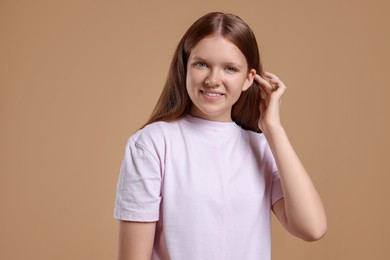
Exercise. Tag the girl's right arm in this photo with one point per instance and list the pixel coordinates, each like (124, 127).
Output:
(136, 240)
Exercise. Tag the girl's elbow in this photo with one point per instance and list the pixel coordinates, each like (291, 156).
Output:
(315, 233)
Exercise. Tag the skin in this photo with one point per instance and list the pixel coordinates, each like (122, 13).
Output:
(135, 240)
(217, 66)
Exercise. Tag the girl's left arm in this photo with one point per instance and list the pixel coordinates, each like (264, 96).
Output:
(301, 211)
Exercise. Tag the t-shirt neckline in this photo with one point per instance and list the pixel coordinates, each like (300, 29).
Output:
(211, 125)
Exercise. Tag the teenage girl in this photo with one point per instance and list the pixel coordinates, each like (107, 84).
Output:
(200, 179)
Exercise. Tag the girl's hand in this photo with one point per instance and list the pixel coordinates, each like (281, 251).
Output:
(272, 90)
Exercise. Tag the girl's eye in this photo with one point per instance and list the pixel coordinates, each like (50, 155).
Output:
(200, 64)
(231, 69)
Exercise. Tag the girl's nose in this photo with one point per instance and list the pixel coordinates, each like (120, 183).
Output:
(213, 80)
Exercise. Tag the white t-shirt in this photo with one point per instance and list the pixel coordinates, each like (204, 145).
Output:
(210, 185)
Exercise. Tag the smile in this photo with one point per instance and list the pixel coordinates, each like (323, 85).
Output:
(211, 94)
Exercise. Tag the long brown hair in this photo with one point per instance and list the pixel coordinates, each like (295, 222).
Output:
(174, 102)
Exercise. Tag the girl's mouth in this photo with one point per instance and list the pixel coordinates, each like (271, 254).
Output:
(211, 94)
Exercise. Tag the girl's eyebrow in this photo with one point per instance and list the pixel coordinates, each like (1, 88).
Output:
(198, 58)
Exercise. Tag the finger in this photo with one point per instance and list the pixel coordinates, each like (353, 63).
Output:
(280, 88)
(274, 79)
(276, 98)
(264, 84)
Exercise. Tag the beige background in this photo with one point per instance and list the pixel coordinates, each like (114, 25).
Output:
(79, 77)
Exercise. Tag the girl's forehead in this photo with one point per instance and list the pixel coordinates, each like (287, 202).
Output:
(214, 39)
(217, 47)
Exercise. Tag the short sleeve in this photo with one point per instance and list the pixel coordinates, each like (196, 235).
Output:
(138, 193)
(277, 191)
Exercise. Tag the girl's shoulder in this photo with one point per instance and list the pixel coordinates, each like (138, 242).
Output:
(256, 141)
(155, 133)
(253, 136)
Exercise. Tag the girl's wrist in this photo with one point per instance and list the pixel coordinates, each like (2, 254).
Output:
(272, 129)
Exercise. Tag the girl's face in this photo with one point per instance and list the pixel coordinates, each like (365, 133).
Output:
(217, 73)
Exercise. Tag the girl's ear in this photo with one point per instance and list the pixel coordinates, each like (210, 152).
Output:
(249, 79)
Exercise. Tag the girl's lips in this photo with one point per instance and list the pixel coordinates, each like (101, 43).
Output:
(211, 94)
